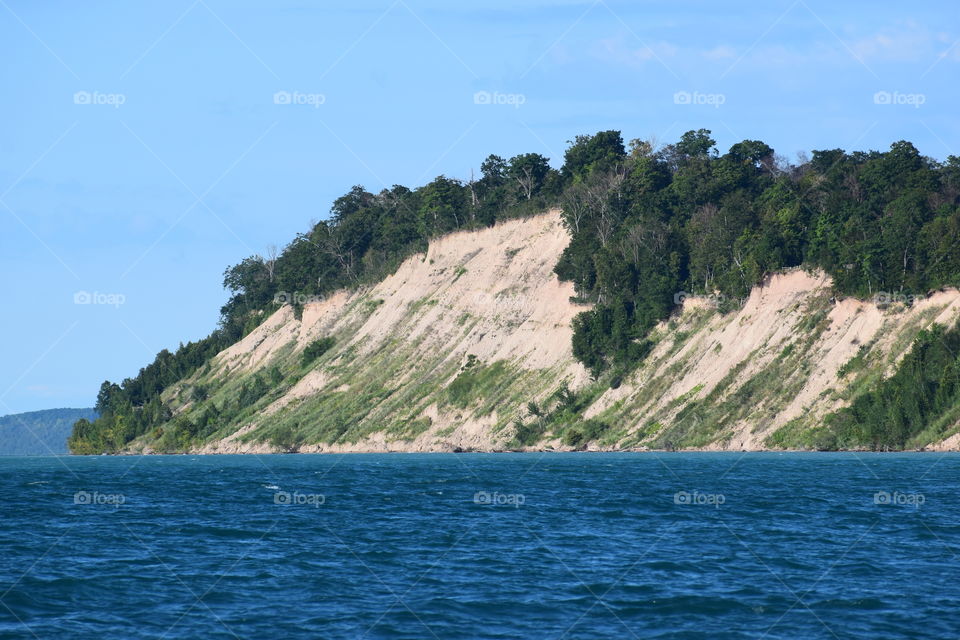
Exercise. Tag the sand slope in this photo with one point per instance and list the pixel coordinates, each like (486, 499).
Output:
(490, 294)
(729, 381)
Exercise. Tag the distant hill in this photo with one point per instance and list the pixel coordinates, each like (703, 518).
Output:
(39, 433)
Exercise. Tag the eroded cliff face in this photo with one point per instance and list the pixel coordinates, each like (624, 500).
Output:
(485, 302)
(764, 375)
(448, 352)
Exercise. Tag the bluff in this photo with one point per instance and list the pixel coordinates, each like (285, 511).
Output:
(468, 347)
(437, 318)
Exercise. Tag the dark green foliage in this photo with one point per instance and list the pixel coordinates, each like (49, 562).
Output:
(924, 390)
(276, 376)
(287, 438)
(529, 171)
(199, 393)
(581, 433)
(561, 415)
(593, 154)
(855, 363)
(251, 392)
(650, 225)
(316, 349)
(526, 434)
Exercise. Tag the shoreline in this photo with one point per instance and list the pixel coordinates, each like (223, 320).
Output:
(497, 451)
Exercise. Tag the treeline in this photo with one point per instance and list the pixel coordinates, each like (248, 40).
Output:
(646, 224)
(367, 235)
(134, 406)
(650, 224)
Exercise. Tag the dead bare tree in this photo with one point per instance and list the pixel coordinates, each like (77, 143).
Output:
(270, 261)
(334, 246)
(526, 181)
(603, 193)
(649, 237)
(473, 192)
(575, 207)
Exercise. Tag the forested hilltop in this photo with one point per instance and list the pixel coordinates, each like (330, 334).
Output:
(648, 225)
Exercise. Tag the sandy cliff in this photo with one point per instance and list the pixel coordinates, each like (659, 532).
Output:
(488, 297)
(485, 309)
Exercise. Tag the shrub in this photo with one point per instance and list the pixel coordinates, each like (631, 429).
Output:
(526, 434)
(287, 438)
(316, 349)
(582, 433)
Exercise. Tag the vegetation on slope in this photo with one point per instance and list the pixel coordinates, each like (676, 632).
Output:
(647, 225)
(366, 237)
(914, 406)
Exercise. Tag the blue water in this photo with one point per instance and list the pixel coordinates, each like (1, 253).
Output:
(481, 546)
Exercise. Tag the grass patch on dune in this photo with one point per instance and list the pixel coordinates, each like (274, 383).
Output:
(798, 434)
(474, 382)
(757, 399)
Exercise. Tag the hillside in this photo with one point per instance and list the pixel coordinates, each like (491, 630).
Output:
(767, 374)
(440, 355)
(39, 433)
(447, 354)
(458, 315)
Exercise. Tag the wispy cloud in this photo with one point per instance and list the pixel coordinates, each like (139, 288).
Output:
(907, 42)
(721, 52)
(622, 51)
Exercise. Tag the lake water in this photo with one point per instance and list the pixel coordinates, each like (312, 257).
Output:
(685, 545)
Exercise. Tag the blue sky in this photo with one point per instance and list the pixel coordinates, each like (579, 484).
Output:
(145, 147)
